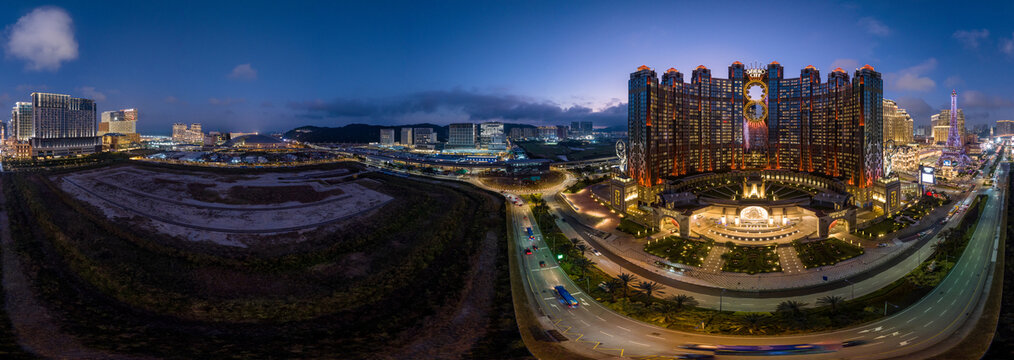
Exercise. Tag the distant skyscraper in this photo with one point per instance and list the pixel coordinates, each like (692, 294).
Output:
(1004, 128)
(491, 136)
(190, 135)
(547, 132)
(406, 137)
(956, 134)
(897, 124)
(943, 120)
(21, 121)
(423, 136)
(387, 137)
(120, 122)
(461, 135)
(62, 125)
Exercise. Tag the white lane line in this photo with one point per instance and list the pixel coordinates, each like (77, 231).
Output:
(909, 320)
(927, 310)
(928, 324)
(607, 334)
(655, 336)
(635, 342)
(600, 318)
(585, 323)
(954, 301)
(624, 329)
(940, 299)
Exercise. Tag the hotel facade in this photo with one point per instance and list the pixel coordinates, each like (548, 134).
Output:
(756, 118)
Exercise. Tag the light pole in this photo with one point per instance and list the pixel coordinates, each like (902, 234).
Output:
(853, 286)
(721, 297)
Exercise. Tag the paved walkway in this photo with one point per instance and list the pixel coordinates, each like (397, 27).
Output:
(789, 260)
(714, 262)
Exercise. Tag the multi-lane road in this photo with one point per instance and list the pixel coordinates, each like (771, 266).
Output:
(596, 330)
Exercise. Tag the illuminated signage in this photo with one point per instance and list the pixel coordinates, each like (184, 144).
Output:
(926, 176)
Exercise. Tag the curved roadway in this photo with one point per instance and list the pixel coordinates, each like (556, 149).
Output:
(592, 327)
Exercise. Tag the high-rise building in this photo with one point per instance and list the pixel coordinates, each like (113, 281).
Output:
(519, 133)
(547, 132)
(897, 124)
(62, 125)
(491, 136)
(120, 122)
(944, 119)
(581, 128)
(561, 131)
(406, 137)
(387, 137)
(21, 127)
(755, 119)
(190, 135)
(424, 136)
(461, 135)
(1004, 128)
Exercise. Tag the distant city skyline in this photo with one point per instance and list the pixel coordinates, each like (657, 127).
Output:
(266, 67)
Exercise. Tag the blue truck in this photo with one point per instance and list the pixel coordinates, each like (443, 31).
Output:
(565, 297)
(531, 235)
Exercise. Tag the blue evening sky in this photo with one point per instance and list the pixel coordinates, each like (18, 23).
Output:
(273, 66)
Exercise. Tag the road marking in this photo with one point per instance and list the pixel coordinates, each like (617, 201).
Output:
(607, 334)
(927, 310)
(954, 301)
(928, 324)
(600, 318)
(585, 323)
(940, 299)
(625, 329)
(909, 320)
(655, 336)
(548, 298)
(879, 337)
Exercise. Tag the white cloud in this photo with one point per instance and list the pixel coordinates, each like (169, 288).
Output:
(1007, 45)
(912, 79)
(971, 38)
(954, 81)
(845, 64)
(243, 72)
(874, 26)
(171, 99)
(978, 99)
(44, 39)
(89, 92)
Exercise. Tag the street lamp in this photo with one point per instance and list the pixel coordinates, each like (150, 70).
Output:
(853, 286)
(721, 297)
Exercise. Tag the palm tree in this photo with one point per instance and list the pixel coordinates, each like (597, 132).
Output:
(648, 287)
(793, 310)
(583, 264)
(753, 321)
(831, 300)
(614, 284)
(626, 279)
(683, 300)
(582, 248)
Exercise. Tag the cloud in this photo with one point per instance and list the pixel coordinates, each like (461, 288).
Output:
(31, 88)
(458, 104)
(89, 92)
(171, 99)
(874, 26)
(970, 38)
(226, 101)
(912, 79)
(917, 108)
(954, 81)
(845, 64)
(978, 99)
(243, 72)
(1007, 45)
(44, 39)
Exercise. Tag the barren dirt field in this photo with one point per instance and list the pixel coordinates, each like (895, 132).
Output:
(232, 210)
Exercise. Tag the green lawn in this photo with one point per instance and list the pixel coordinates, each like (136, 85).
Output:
(751, 259)
(825, 252)
(634, 228)
(680, 250)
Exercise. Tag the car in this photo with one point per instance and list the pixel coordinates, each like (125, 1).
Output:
(526, 218)
(528, 251)
(852, 343)
(542, 264)
(883, 245)
(535, 248)
(596, 252)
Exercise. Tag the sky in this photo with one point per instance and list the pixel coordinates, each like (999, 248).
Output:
(274, 66)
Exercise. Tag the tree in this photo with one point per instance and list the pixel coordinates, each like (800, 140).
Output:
(615, 284)
(583, 264)
(626, 279)
(792, 311)
(582, 248)
(831, 300)
(648, 287)
(683, 300)
(753, 322)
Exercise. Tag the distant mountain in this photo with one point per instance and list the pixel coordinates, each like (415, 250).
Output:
(364, 133)
(614, 128)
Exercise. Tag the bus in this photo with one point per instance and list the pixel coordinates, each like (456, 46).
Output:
(531, 235)
(565, 297)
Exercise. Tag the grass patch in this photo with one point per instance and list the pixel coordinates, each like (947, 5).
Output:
(825, 252)
(680, 250)
(633, 228)
(751, 259)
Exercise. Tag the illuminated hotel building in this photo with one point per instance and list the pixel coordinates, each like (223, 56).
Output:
(755, 119)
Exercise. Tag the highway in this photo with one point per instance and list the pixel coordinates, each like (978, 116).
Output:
(596, 330)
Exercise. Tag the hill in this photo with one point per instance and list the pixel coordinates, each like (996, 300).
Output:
(365, 133)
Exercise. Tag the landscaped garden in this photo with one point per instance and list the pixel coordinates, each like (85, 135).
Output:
(633, 228)
(680, 250)
(750, 259)
(825, 252)
(886, 226)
